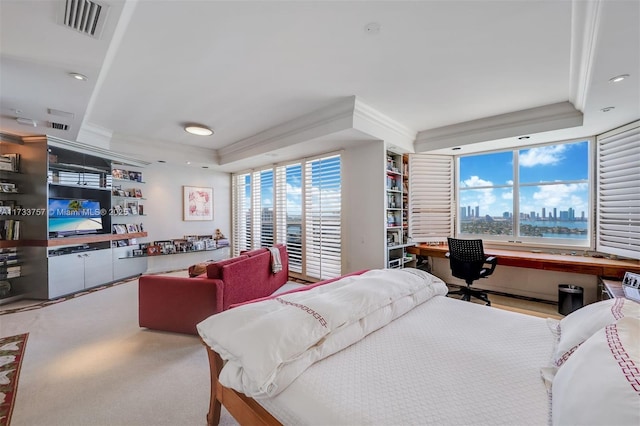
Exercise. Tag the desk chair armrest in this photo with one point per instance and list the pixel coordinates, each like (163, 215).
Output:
(493, 261)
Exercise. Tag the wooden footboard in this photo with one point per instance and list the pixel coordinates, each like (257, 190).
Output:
(244, 409)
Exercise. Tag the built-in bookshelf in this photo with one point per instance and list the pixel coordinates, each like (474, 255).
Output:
(15, 213)
(127, 204)
(57, 216)
(396, 209)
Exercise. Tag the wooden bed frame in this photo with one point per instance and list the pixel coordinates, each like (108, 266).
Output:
(244, 409)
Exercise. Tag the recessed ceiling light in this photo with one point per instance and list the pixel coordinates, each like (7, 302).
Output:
(78, 76)
(607, 109)
(161, 161)
(198, 129)
(188, 162)
(372, 28)
(618, 78)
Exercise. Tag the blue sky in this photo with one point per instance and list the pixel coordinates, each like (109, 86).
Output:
(564, 164)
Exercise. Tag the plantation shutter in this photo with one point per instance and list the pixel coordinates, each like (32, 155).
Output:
(323, 250)
(618, 193)
(280, 210)
(265, 232)
(288, 205)
(241, 213)
(256, 203)
(431, 198)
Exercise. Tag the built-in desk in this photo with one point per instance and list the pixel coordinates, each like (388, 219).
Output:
(551, 262)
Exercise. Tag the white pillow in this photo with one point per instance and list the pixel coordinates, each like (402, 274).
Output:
(600, 383)
(579, 325)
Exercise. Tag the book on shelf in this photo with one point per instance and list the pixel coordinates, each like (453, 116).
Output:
(9, 229)
(10, 162)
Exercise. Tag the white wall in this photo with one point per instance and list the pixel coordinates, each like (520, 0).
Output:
(164, 203)
(363, 168)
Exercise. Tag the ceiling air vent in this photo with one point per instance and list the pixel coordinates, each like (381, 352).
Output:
(84, 16)
(58, 126)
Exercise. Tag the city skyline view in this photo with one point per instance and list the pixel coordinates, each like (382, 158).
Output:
(550, 177)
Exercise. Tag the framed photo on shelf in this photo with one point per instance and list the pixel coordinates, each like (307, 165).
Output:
(138, 192)
(133, 206)
(119, 228)
(153, 250)
(198, 203)
(131, 228)
(137, 252)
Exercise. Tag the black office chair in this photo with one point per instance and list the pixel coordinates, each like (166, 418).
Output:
(469, 263)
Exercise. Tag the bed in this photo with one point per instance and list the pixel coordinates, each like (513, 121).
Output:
(411, 355)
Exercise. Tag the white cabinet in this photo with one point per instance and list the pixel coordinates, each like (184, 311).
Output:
(125, 265)
(69, 273)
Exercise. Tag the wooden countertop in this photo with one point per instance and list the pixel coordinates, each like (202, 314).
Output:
(552, 262)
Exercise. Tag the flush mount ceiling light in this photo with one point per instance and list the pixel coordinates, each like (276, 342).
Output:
(78, 76)
(198, 129)
(27, 121)
(618, 78)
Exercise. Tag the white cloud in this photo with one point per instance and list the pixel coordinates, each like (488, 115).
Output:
(475, 181)
(561, 196)
(542, 156)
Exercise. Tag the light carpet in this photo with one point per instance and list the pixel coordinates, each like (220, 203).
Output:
(89, 363)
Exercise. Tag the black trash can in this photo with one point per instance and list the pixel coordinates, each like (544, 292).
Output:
(570, 298)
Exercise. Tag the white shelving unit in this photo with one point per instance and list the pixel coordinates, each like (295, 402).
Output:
(396, 191)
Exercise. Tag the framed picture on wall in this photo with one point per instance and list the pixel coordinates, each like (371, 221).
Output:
(198, 203)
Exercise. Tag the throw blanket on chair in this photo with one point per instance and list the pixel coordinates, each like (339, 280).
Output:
(267, 344)
(276, 263)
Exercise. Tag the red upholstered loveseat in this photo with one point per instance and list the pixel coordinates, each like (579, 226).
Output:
(177, 304)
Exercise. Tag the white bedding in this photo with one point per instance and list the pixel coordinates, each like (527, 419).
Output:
(266, 345)
(446, 362)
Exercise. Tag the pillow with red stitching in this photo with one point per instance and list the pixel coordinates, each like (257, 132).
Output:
(579, 325)
(600, 383)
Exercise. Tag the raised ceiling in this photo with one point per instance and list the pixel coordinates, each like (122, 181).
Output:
(243, 67)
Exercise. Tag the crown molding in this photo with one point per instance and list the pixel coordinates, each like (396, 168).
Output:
(525, 122)
(162, 150)
(331, 119)
(346, 114)
(87, 149)
(585, 18)
(91, 134)
(380, 126)
(11, 138)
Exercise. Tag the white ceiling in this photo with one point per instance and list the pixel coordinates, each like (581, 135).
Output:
(243, 67)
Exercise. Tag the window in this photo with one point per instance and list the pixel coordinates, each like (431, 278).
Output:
(535, 195)
(297, 204)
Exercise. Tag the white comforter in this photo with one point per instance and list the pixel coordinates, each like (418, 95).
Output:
(266, 345)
